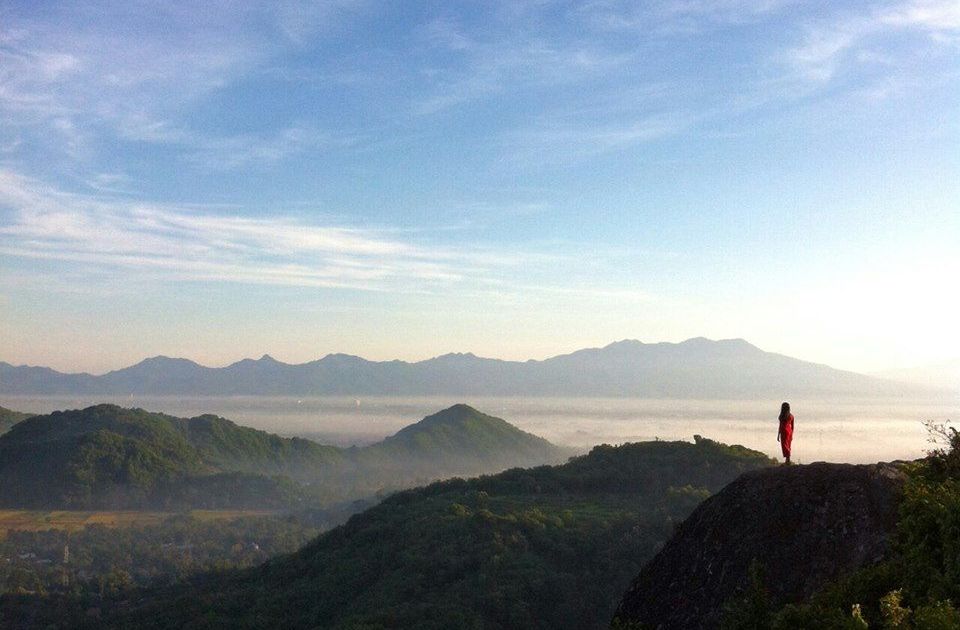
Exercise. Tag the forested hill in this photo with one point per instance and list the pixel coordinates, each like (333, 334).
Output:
(696, 368)
(110, 457)
(547, 547)
(464, 439)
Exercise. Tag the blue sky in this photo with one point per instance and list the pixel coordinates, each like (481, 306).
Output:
(400, 180)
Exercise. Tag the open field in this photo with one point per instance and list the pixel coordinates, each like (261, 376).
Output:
(70, 520)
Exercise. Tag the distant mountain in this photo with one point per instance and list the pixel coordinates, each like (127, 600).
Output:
(110, 457)
(547, 547)
(944, 375)
(8, 418)
(696, 368)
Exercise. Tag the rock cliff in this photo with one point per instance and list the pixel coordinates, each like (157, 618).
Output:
(806, 525)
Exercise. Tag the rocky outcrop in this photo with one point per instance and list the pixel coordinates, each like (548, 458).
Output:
(805, 525)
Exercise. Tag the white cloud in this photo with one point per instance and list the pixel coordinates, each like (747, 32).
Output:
(829, 46)
(136, 75)
(934, 15)
(116, 236)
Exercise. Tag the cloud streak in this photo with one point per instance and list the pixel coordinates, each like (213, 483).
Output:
(136, 80)
(828, 48)
(111, 235)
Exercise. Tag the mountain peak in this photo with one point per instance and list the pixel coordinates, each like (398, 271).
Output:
(162, 358)
(624, 343)
(162, 361)
(455, 356)
(462, 433)
(454, 413)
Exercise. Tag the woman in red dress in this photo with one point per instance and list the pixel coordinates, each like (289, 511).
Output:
(785, 434)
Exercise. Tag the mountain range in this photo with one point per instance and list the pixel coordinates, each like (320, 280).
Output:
(696, 368)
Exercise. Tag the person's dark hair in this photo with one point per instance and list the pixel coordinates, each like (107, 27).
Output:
(784, 410)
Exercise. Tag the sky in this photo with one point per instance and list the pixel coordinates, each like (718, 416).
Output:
(220, 180)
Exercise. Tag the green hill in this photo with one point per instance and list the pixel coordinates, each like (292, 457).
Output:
(109, 457)
(547, 547)
(457, 441)
(114, 458)
(8, 418)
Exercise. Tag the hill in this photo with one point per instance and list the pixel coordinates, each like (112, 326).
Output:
(110, 457)
(696, 368)
(804, 526)
(463, 439)
(547, 547)
(8, 418)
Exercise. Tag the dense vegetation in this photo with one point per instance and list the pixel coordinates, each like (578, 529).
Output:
(8, 418)
(916, 587)
(547, 547)
(84, 561)
(108, 457)
(57, 578)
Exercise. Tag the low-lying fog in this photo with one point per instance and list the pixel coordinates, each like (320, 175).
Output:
(843, 431)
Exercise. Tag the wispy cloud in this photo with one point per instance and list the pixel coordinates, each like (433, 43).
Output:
(560, 143)
(506, 60)
(80, 80)
(830, 46)
(115, 235)
(672, 17)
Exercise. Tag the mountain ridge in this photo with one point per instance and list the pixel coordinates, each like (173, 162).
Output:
(112, 457)
(695, 368)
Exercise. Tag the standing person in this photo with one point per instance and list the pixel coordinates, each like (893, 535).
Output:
(785, 433)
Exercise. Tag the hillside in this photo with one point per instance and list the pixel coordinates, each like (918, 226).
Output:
(8, 418)
(110, 457)
(696, 368)
(804, 526)
(547, 547)
(463, 439)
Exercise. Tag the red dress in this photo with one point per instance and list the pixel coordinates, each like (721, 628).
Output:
(786, 434)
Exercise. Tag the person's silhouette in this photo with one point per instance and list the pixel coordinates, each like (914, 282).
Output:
(785, 433)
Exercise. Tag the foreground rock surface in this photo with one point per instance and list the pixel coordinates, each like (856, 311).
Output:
(805, 524)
